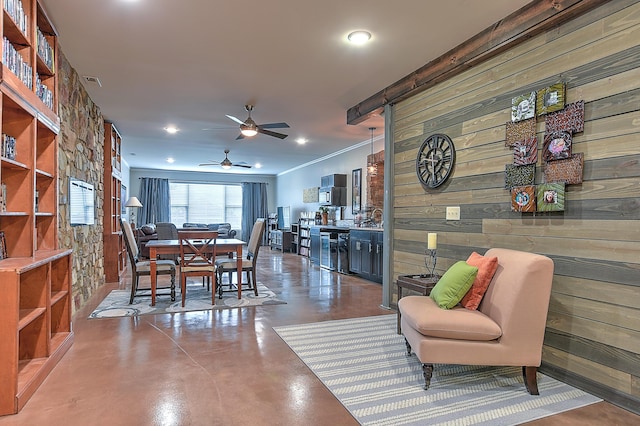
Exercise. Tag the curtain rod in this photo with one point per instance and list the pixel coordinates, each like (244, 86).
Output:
(202, 181)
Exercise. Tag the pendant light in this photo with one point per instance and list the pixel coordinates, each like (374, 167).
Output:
(372, 166)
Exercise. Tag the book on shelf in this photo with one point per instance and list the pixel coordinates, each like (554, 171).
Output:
(3, 246)
(3, 197)
(8, 147)
(16, 11)
(45, 51)
(16, 64)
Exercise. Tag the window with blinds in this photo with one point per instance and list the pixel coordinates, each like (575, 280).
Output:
(205, 203)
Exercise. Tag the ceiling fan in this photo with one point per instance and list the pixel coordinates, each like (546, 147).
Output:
(249, 128)
(226, 163)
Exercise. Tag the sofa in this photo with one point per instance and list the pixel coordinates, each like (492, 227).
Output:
(224, 229)
(506, 328)
(144, 234)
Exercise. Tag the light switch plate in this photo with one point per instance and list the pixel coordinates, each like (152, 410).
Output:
(453, 213)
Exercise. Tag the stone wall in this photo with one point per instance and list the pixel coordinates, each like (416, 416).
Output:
(80, 156)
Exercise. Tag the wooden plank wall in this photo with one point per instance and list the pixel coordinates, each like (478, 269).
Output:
(593, 328)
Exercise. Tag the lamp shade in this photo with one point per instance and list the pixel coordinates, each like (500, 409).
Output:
(133, 202)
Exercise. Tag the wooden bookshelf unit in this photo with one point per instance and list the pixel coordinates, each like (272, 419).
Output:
(114, 248)
(35, 274)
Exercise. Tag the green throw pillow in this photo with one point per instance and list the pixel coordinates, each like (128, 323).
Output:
(454, 284)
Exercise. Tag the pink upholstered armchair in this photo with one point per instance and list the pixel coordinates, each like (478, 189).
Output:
(507, 329)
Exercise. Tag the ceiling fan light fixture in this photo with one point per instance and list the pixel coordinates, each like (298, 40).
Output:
(248, 131)
(249, 128)
(226, 163)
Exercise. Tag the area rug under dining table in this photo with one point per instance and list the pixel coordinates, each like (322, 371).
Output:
(116, 304)
(363, 362)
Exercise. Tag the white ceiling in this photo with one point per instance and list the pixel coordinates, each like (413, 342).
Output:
(190, 62)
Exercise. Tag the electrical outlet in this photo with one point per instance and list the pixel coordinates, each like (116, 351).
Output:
(453, 213)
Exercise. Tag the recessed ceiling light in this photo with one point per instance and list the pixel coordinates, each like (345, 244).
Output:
(171, 130)
(301, 141)
(170, 160)
(359, 37)
(258, 166)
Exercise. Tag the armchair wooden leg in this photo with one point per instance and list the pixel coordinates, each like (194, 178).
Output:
(531, 379)
(427, 372)
(408, 346)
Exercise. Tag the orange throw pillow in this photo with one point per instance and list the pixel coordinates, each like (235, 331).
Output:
(486, 268)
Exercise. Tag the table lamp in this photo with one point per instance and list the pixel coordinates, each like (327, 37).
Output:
(133, 202)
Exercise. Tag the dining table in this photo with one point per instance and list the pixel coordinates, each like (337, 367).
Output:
(157, 247)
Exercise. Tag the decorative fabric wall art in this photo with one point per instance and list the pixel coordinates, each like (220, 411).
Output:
(523, 107)
(519, 175)
(310, 195)
(557, 145)
(525, 152)
(550, 99)
(570, 119)
(520, 131)
(568, 171)
(550, 197)
(523, 199)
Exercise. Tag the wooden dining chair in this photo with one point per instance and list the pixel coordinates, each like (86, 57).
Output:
(142, 267)
(248, 265)
(197, 258)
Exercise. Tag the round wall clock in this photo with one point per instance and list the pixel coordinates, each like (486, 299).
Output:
(435, 160)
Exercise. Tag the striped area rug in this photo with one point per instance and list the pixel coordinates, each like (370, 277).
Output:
(364, 364)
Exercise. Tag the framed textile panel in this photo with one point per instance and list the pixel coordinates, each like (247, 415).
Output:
(570, 119)
(523, 107)
(557, 145)
(550, 99)
(523, 198)
(568, 171)
(520, 131)
(550, 197)
(310, 195)
(525, 152)
(519, 175)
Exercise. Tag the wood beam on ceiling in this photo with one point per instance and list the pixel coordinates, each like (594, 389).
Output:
(527, 22)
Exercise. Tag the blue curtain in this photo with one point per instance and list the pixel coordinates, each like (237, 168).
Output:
(154, 196)
(254, 206)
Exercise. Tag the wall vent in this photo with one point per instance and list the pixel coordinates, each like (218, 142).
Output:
(91, 79)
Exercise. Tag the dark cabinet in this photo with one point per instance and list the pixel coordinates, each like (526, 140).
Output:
(334, 180)
(365, 254)
(377, 259)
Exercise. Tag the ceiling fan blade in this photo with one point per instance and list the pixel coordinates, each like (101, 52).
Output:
(270, 133)
(273, 125)
(240, 136)
(237, 120)
(246, 166)
(213, 163)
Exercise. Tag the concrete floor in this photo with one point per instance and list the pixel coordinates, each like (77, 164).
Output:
(218, 367)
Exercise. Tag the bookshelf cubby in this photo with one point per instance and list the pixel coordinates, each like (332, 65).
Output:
(35, 302)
